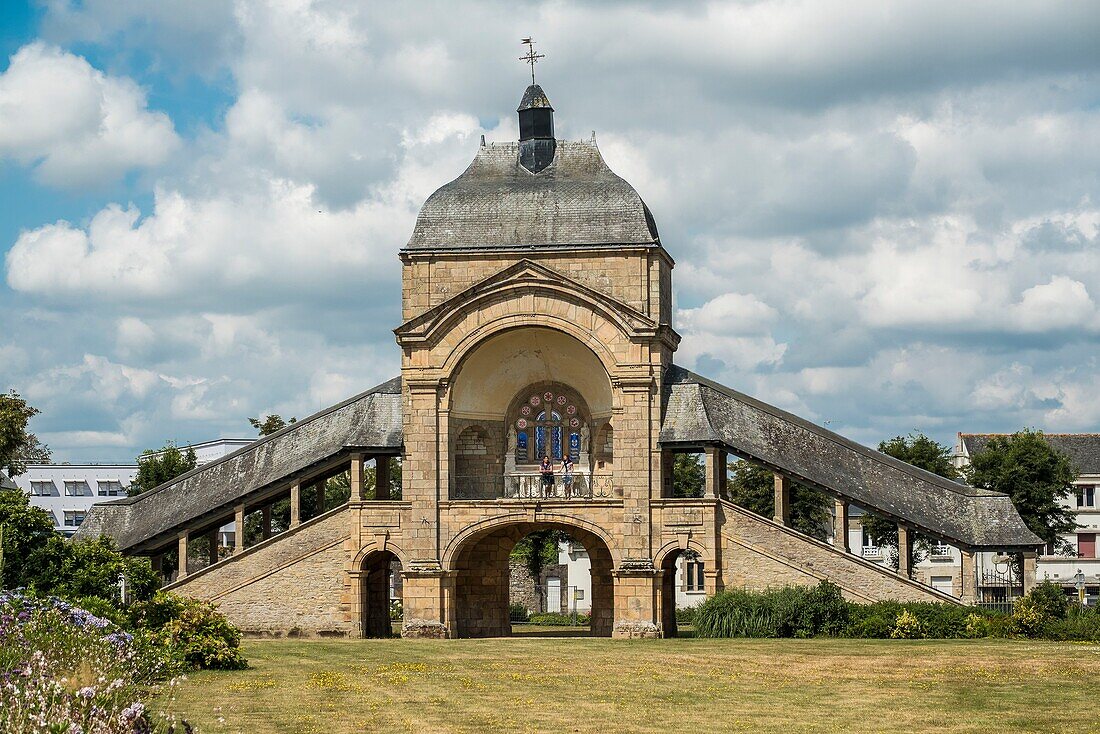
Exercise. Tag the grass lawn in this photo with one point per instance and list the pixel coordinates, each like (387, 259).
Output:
(607, 686)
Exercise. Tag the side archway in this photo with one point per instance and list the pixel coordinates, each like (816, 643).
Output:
(379, 585)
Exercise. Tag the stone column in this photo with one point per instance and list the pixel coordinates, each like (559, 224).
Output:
(212, 539)
(428, 600)
(637, 601)
(157, 563)
(238, 529)
(295, 504)
(714, 470)
(357, 478)
(1028, 565)
(667, 460)
(840, 525)
(782, 500)
(382, 477)
(266, 514)
(905, 551)
(182, 549)
(319, 501)
(969, 577)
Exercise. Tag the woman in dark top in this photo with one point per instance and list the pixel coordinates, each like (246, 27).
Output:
(546, 469)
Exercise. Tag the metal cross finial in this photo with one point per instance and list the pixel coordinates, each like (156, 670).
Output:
(531, 57)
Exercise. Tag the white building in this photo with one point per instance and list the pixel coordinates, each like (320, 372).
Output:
(67, 491)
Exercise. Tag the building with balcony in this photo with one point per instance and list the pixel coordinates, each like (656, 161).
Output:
(536, 325)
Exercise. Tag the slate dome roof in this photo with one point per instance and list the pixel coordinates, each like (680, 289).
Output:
(576, 201)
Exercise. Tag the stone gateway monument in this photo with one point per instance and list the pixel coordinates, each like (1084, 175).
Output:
(537, 322)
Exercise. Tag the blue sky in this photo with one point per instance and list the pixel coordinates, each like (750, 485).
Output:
(884, 215)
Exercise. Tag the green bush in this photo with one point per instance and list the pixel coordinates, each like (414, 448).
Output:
(1080, 624)
(686, 615)
(1049, 599)
(397, 610)
(794, 611)
(1028, 618)
(518, 613)
(908, 626)
(556, 619)
(194, 632)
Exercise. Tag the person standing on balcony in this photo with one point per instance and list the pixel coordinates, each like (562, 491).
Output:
(567, 476)
(546, 469)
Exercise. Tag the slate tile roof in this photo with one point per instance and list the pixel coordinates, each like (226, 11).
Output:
(1083, 449)
(370, 421)
(496, 203)
(703, 412)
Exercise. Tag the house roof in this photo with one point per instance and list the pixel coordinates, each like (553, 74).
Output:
(1083, 449)
(370, 421)
(576, 201)
(702, 412)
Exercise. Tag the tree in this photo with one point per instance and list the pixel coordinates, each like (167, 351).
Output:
(157, 467)
(753, 487)
(28, 532)
(924, 453)
(18, 447)
(1035, 475)
(688, 475)
(270, 423)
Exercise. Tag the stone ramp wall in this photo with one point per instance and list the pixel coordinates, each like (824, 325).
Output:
(292, 584)
(758, 553)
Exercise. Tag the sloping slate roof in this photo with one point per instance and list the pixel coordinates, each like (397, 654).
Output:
(700, 411)
(1083, 449)
(369, 421)
(497, 203)
(534, 97)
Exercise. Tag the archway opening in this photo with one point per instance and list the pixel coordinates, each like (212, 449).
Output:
(380, 594)
(534, 578)
(683, 585)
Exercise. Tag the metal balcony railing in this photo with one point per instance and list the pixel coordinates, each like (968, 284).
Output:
(871, 551)
(941, 551)
(527, 487)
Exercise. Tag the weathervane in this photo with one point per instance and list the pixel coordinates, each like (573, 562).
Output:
(531, 57)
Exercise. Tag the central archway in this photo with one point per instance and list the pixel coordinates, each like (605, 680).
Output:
(482, 576)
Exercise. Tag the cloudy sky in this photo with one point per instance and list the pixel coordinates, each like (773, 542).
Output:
(885, 216)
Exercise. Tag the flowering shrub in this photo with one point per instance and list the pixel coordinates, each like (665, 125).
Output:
(907, 627)
(63, 669)
(192, 632)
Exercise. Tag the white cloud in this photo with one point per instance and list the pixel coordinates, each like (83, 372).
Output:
(75, 124)
(1063, 303)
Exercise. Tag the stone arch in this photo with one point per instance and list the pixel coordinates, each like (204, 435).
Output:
(481, 571)
(375, 571)
(476, 448)
(485, 527)
(667, 560)
(603, 447)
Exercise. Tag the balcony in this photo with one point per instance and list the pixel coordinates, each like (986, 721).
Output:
(528, 487)
(941, 553)
(871, 552)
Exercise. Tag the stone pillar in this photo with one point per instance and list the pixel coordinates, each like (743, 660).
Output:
(637, 600)
(840, 525)
(382, 477)
(266, 514)
(212, 539)
(905, 551)
(782, 500)
(969, 577)
(295, 504)
(1028, 566)
(319, 501)
(157, 564)
(356, 477)
(182, 549)
(238, 529)
(714, 471)
(667, 460)
(428, 602)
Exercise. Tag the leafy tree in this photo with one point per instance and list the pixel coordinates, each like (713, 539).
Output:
(270, 423)
(18, 447)
(157, 467)
(1035, 475)
(28, 533)
(923, 453)
(753, 487)
(689, 476)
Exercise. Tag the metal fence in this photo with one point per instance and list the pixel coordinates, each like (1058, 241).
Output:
(526, 487)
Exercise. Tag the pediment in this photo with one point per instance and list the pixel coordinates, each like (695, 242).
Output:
(525, 276)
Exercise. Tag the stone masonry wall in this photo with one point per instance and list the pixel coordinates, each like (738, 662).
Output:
(758, 554)
(294, 583)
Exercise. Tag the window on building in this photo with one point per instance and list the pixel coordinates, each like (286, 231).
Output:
(1086, 545)
(693, 576)
(548, 424)
(76, 489)
(1086, 496)
(41, 489)
(74, 518)
(110, 488)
